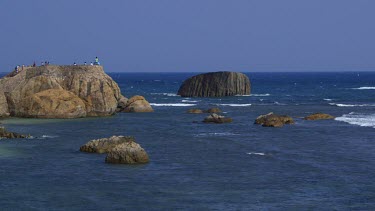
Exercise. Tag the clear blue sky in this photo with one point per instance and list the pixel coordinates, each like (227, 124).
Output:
(191, 35)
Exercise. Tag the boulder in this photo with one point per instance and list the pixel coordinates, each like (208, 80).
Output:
(273, 120)
(195, 111)
(127, 153)
(137, 104)
(96, 90)
(318, 116)
(121, 103)
(214, 118)
(105, 145)
(6, 134)
(215, 84)
(214, 110)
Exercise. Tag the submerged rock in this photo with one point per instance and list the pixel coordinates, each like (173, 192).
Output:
(215, 84)
(318, 116)
(127, 153)
(6, 134)
(273, 120)
(214, 118)
(137, 104)
(59, 92)
(195, 111)
(214, 110)
(105, 145)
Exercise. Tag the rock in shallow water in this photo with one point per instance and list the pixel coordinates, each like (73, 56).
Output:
(214, 118)
(216, 84)
(105, 145)
(273, 120)
(318, 116)
(127, 153)
(137, 104)
(6, 134)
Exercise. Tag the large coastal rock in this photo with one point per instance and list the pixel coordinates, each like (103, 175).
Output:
(319, 116)
(105, 145)
(59, 92)
(273, 120)
(137, 104)
(127, 153)
(216, 84)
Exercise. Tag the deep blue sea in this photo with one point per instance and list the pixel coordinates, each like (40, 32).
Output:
(311, 165)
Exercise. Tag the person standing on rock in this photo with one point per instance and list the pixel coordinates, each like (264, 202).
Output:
(97, 61)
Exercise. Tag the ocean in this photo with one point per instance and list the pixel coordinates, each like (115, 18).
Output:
(311, 165)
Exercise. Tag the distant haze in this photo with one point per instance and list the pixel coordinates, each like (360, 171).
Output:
(191, 35)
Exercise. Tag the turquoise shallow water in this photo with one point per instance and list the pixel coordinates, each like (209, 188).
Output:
(319, 165)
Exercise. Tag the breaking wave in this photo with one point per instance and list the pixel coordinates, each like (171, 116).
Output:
(166, 94)
(363, 120)
(351, 105)
(172, 104)
(365, 88)
(234, 105)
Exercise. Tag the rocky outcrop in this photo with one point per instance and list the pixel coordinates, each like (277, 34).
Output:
(318, 116)
(137, 104)
(120, 149)
(195, 111)
(127, 153)
(105, 145)
(216, 84)
(214, 118)
(273, 120)
(59, 92)
(214, 110)
(6, 134)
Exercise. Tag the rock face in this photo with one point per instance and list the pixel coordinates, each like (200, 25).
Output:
(5, 134)
(214, 118)
(105, 145)
(137, 104)
(318, 116)
(216, 84)
(273, 120)
(127, 153)
(59, 92)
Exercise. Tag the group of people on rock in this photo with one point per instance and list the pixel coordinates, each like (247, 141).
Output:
(91, 64)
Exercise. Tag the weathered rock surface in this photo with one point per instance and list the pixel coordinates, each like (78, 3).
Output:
(137, 104)
(214, 110)
(6, 134)
(105, 145)
(121, 103)
(127, 153)
(216, 84)
(214, 118)
(273, 120)
(195, 111)
(318, 116)
(92, 92)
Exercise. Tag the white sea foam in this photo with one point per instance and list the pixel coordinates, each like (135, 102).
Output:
(365, 88)
(351, 105)
(215, 134)
(327, 99)
(358, 119)
(234, 105)
(189, 101)
(49, 136)
(172, 104)
(256, 153)
(254, 95)
(166, 94)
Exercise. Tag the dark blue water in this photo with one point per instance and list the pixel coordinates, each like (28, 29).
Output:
(311, 165)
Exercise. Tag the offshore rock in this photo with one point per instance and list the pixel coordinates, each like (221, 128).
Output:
(59, 92)
(214, 118)
(105, 145)
(127, 153)
(318, 116)
(195, 111)
(137, 104)
(273, 120)
(214, 110)
(216, 84)
(5, 134)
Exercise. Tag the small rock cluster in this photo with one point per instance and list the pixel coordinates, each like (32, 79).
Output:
(200, 111)
(120, 149)
(273, 120)
(215, 118)
(134, 105)
(6, 134)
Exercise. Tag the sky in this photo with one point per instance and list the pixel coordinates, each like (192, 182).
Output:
(191, 35)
